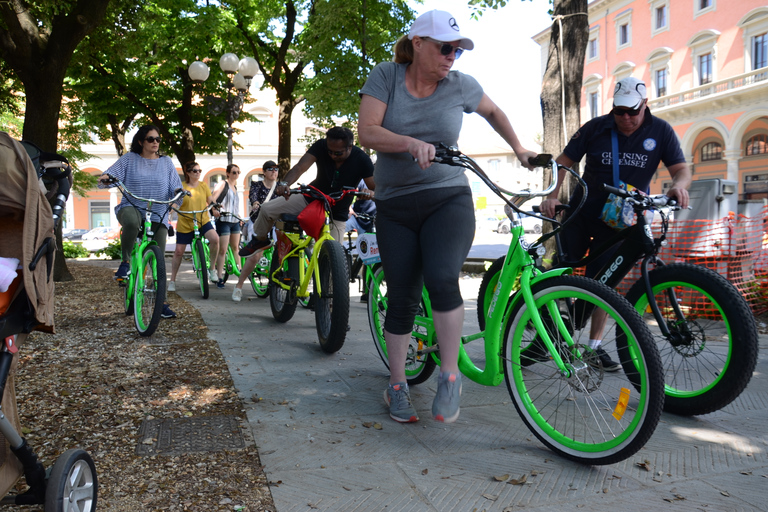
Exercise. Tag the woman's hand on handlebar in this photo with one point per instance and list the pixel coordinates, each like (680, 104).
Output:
(422, 152)
(548, 206)
(525, 158)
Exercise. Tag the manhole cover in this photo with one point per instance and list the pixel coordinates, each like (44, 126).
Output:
(187, 435)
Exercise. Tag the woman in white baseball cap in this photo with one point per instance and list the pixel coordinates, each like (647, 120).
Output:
(425, 220)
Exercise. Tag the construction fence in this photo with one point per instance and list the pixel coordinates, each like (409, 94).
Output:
(735, 246)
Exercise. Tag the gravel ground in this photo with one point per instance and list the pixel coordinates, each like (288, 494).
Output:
(93, 383)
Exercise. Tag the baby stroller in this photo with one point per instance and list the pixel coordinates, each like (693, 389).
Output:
(27, 224)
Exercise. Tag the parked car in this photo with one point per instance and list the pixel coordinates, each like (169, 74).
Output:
(113, 234)
(530, 224)
(486, 223)
(72, 234)
(96, 233)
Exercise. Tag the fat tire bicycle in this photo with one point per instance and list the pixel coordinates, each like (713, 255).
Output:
(145, 288)
(703, 327)
(565, 397)
(293, 269)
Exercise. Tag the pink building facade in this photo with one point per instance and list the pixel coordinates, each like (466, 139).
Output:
(705, 63)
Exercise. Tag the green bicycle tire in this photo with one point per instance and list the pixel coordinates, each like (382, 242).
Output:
(418, 367)
(589, 415)
(711, 355)
(259, 278)
(149, 293)
(201, 266)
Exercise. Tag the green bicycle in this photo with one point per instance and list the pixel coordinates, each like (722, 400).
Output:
(145, 287)
(201, 253)
(537, 341)
(259, 278)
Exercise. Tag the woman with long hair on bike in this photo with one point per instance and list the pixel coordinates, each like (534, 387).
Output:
(257, 194)
(185, 230)
(227, 226)
(149, 174)
(425, 213)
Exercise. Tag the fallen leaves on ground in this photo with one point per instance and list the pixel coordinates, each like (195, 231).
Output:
(93, 383)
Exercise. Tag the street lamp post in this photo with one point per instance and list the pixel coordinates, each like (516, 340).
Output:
(239, 72)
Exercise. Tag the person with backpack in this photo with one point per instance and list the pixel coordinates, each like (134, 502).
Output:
(227, 226)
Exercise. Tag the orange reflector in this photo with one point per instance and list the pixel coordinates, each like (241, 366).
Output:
(621, 405)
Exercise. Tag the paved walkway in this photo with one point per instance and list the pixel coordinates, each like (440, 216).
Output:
(327, 443)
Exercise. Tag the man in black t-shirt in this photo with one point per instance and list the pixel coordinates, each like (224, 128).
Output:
(339, 164)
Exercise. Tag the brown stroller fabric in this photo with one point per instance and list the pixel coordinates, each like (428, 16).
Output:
(25, 222)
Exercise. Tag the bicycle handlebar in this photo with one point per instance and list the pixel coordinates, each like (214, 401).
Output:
(642, 201)
(177, 194)
(452, 156)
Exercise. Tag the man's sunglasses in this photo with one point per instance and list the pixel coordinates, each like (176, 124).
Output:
(446, 48)
(621, 111)
(153, 139)
(338, 153)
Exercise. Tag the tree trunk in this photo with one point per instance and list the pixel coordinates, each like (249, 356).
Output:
(284, 135)
(575, 31)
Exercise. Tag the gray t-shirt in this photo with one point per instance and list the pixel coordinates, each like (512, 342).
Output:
(436, 118)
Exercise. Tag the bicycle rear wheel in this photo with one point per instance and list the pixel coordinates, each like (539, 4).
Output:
(283, 302)
(259, 278)
(149, 293)
(419, 366)
(588, 415)
(711, 352)
(331, 297)
(201, 266)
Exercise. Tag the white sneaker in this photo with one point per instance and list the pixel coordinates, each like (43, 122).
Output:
(237, 294)
(171, 286)
(213, 276)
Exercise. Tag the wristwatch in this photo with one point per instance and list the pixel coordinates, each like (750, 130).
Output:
(282, 184)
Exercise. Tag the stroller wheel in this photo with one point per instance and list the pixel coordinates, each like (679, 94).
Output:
(72, 485)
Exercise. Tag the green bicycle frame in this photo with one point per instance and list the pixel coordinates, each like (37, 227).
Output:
(136, 256)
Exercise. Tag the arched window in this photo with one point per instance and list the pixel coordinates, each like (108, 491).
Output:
(711, 151)
(757, 145)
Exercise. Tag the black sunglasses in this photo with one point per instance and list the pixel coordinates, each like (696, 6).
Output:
(621, 111)
(273, 169)
(153, 139)
(196, 171)
(338, 153)
(446, 48)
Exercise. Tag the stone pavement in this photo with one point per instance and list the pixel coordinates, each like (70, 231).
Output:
(327, 443)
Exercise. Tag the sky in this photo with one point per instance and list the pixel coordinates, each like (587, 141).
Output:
(506, 61)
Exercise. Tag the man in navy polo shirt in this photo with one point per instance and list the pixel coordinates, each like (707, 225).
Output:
(643, 142)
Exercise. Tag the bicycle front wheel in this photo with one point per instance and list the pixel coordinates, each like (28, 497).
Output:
(711, 351)
(201, 266)
(586, 414)
(331, 297)
(419, 365)
(149, 293)
(259, 278)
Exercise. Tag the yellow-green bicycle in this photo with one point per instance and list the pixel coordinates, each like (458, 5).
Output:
(293, 270)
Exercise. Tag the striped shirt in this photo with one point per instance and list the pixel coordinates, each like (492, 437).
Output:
(154, 178)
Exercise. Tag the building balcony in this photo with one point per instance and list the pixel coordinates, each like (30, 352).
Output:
(735, 91)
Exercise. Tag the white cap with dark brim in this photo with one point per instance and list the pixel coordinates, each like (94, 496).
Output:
(440, 26)
(629, 92)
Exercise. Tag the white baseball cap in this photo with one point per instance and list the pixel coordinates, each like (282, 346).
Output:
(629, 92)
(440, 26)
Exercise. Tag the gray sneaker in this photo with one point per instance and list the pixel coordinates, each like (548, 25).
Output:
(445, 406)
(399, 401)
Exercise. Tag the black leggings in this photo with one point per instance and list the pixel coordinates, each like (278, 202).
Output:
(424, 239)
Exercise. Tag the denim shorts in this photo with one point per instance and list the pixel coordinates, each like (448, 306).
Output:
(227, 228)
(186, 238)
